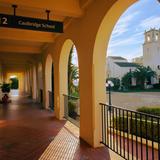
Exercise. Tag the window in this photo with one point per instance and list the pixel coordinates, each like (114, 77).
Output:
(148, 38)
(156, 37)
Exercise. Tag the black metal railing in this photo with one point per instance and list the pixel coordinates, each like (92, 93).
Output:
(131, 134)
(72, 109)
(51, 100)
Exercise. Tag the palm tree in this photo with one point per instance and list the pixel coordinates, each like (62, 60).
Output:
(142, 74)
(73, 74)
(127, 80)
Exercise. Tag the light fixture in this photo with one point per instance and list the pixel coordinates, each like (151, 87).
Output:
(14, 76)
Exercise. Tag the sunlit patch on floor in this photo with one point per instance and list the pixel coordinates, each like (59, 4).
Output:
(63, 147)
(72, 128)
(3, 123)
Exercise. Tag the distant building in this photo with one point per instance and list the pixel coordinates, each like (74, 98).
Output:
(117, 67)
(138, 60)
(151, 52)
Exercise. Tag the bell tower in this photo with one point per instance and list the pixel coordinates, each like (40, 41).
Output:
(152, 35)
(151, 49)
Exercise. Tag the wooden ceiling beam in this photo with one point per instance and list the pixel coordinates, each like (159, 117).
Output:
(67, 8)
(26, 35)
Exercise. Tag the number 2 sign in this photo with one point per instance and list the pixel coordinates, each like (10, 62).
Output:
(3, 20)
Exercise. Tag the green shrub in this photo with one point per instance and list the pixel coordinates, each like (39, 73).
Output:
(122, 126)
(116, 83)
(6, 87)
(149, 128)
(14, 84)
(150, 110)
(127, 80)
(137, 87)
(75, 94)
(156, 86)
(71, 109)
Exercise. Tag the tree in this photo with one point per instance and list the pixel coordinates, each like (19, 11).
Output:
(73, 74)
(115, 81)
(127, 79)
(142, 74)
(14, 83)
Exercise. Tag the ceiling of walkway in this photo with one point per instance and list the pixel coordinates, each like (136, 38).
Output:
(27, 42)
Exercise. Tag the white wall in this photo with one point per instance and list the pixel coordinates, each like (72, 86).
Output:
(115, 70)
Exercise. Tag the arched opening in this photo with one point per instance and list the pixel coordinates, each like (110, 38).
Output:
(72, 106)
(14, 81)
(49, 83)
(63, 70)
(69, 83)
(99, 60)
(51, 99)
(132, 56)
(99, 80)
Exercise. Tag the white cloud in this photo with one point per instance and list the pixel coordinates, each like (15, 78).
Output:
(151, 22)
(130, 54)
(123, 23)
(125, 42)
(75, 57)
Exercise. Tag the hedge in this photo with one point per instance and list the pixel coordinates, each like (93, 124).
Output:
(71, 109)
(156, 86)
(150, 110)
(122, 126)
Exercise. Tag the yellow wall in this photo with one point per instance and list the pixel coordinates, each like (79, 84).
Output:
(1, 73)
(90, 34)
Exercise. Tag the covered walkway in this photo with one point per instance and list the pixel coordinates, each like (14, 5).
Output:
(26, 131)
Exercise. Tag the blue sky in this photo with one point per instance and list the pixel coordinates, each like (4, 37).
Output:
(128, 34)
(75, 56)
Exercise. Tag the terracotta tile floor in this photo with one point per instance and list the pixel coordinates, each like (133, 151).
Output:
(28, 133)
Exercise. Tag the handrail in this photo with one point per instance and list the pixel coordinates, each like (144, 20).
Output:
(70, 96)
(130, 110)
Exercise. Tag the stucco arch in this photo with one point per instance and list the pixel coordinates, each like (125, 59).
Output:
(63, 72)
(48, 78)
(99, 60)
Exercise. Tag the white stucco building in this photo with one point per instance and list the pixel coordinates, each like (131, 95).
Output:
(138, 60)
(117, 67)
